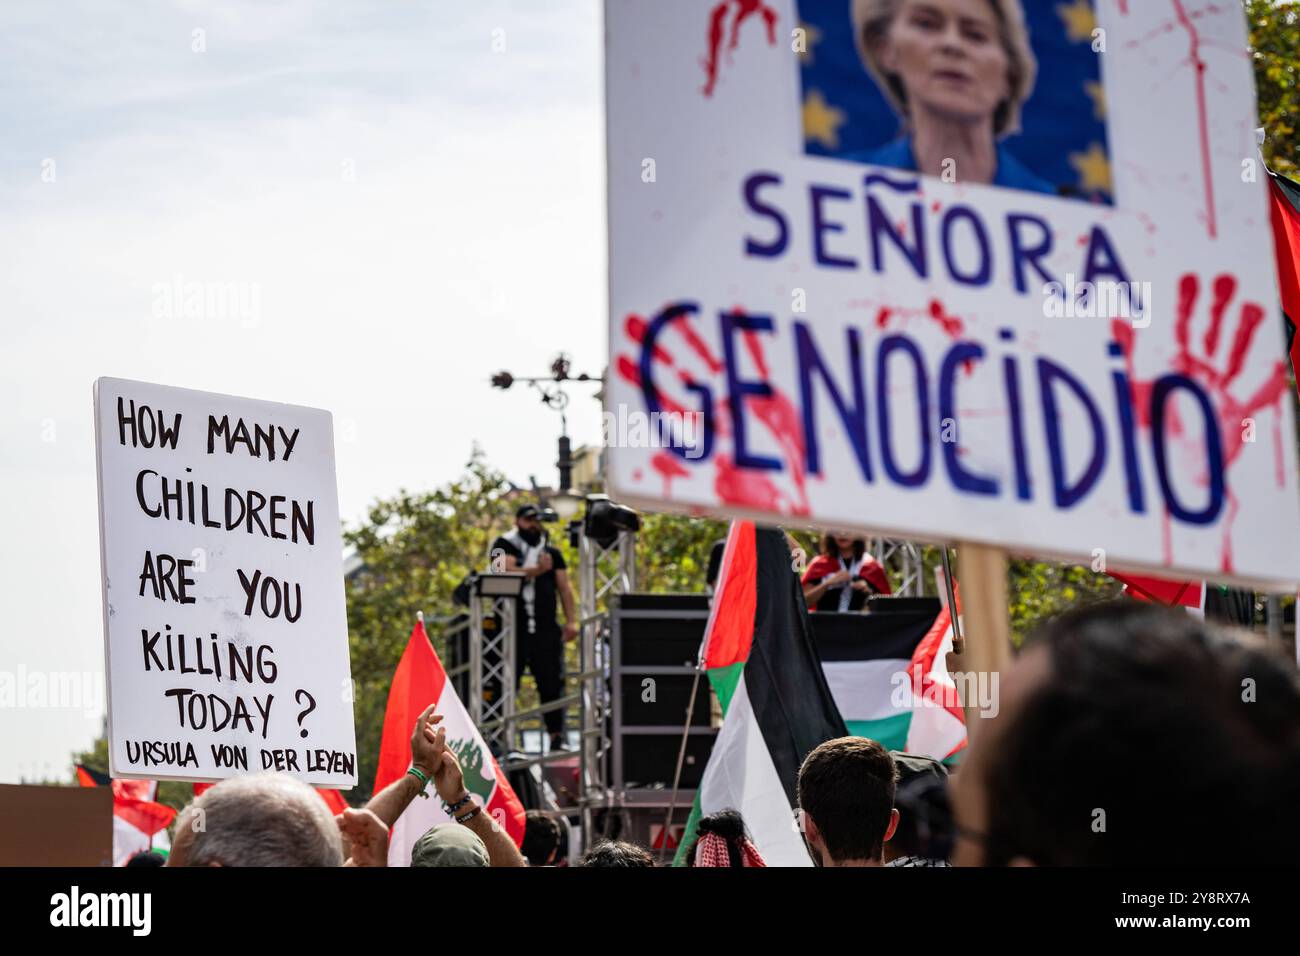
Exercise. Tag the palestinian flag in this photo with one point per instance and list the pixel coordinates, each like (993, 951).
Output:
(139, 822)
(760, 659)
(419, 682)
(867, 671)
(890, 682)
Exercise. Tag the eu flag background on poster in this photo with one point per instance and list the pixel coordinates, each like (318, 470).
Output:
(1063, 124)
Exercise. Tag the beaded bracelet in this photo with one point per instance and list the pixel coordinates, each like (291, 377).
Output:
(453, 807)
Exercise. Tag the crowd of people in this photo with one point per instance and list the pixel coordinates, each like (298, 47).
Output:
(1127, 733)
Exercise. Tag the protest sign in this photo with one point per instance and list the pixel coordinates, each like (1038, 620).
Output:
(1011, 286)
(224, 620)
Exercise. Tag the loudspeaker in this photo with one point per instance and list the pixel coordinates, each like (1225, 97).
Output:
(649, 760)
(652, 699)
(654, 644)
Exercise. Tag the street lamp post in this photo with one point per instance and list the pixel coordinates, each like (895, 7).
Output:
(565, 501)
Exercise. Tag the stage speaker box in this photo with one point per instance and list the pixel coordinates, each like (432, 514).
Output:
(655, 640)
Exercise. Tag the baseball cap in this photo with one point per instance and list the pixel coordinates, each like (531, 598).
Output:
(527, 511)
(449, 844)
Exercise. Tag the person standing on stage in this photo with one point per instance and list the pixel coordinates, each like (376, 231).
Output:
(843, 576)
(539, 639)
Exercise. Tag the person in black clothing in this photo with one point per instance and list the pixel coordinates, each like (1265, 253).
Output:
(539, 639)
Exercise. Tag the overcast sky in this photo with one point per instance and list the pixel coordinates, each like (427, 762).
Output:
(404, 208)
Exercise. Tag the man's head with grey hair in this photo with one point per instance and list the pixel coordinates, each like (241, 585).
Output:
(265, 819)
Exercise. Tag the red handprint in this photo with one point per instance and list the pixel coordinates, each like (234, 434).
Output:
(1217, 373)
(693, 363)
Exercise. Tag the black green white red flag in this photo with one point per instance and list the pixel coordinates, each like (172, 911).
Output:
(760, 659)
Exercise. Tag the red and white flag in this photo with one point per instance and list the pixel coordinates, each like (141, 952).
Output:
(938, 726)
(419, 682)
(1188, 594)
(139, 823)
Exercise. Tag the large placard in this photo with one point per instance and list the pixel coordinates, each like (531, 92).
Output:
(224, 618)
(952, 270)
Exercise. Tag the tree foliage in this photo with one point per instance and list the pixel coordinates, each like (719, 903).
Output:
(1275, 52)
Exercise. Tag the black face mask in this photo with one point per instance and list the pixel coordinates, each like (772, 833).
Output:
(530, 536)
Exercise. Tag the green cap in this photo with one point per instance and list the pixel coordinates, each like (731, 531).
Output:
(449, 844)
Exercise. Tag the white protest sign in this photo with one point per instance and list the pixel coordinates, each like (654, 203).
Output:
(964, 324)
(224, 619)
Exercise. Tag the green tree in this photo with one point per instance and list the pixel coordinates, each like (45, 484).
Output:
(1039, 590)
(415, 548)
(1275, 52)
(673, 552)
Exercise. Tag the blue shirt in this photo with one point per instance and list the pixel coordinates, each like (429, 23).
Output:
(1011, 173)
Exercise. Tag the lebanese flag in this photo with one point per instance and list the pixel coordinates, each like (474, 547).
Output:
(760, 659)
(419, 682)
(333, 798)
(938, 726)
(139, 823)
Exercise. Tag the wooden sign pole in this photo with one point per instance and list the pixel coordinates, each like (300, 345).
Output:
(986, 623)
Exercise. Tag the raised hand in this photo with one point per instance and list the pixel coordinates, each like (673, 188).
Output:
(423, 756)
(448, 778)
(365, 838)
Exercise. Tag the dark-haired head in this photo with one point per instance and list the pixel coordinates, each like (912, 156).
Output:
(834, 544)
(727, 824)
(1131, 733)
(616, 853)
(543, 838)
(846, 797)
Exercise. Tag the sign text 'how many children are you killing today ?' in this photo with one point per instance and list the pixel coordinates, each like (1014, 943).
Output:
(225, 623)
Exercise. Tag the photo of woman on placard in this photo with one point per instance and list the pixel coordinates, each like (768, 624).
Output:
(957, 73)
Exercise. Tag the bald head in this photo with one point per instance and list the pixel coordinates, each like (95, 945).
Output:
(260, 820)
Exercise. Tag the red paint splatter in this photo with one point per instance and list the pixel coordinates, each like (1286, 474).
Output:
(951, 325)
(1202, 112)
(717, 25)
(1224, 288)
(936, 311)
(776, 413)
(636, 328)
(669, 468)
(1225, 564)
